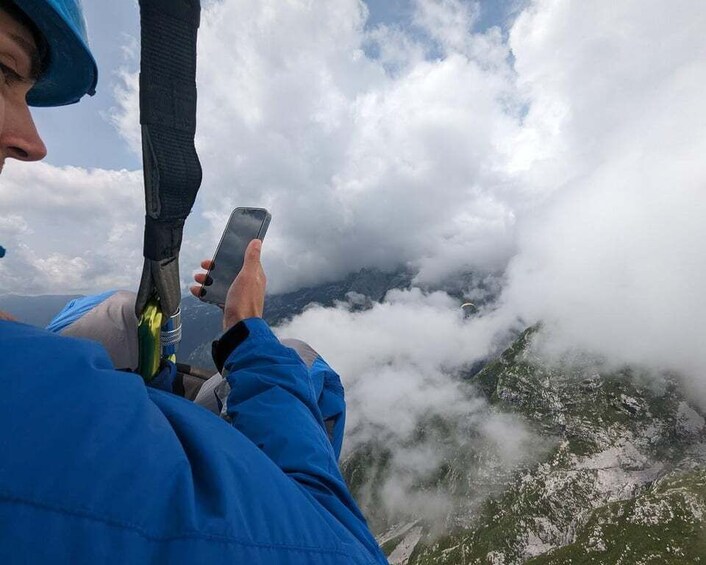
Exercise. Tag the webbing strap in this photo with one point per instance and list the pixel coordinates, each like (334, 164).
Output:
(172, 170)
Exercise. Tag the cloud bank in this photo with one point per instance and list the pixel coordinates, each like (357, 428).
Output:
(613, 260)
(370, 147)
(403, 363)
(69, 230)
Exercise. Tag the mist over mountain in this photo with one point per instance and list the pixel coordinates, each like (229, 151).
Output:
(616, 473)
(359, 291)
(526, 461)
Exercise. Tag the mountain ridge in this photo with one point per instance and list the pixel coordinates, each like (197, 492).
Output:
(625, 481)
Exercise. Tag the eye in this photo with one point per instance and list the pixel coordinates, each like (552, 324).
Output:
(9, 76)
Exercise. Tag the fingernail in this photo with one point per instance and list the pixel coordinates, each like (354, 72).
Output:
(202, 292)
(208, 281)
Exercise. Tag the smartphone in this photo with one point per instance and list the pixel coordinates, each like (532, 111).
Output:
(244, 225)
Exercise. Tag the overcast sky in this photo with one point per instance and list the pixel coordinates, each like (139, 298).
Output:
(560, 143)
(114, 35)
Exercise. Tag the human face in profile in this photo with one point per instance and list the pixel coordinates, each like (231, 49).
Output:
(19, 68)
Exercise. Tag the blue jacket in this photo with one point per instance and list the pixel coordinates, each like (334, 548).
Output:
(97, 468)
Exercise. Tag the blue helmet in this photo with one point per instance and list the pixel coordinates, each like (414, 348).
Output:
(70, 70)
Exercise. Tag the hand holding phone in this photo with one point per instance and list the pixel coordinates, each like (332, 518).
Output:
(244, 225)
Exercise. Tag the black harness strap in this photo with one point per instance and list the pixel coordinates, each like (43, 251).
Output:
(172, 170)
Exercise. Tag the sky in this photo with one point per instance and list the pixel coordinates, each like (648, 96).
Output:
(114, 36)
(97, 142)
(555, 145)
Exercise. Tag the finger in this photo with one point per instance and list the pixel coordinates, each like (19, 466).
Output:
(203, 278)
(207, 264)
(196, 291)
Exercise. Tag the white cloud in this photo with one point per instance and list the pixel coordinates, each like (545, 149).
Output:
(613, 261)
(402, 363)
(126, 115)
(361, 164)
(449, 22)
(69, 229)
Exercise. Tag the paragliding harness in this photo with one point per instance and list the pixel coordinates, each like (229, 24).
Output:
(172, 170)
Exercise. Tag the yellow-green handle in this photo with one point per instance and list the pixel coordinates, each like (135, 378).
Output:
(148, 340)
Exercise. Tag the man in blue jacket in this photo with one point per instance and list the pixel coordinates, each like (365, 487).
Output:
(94, 466)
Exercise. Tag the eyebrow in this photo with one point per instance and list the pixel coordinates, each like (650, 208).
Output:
(32, 53)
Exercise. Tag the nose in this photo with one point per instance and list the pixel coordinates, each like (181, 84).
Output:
(19, 138)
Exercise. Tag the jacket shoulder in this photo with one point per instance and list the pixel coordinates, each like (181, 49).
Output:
(113, 468)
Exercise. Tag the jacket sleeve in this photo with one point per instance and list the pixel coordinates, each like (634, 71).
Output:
(274, 402)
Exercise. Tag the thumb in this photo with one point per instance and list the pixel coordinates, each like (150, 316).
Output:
(252, 254)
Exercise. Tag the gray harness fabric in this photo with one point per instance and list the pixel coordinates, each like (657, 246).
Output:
(213, 395)
(305, 351)
(113, 324)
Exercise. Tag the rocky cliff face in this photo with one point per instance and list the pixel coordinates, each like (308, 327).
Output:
(621, 476)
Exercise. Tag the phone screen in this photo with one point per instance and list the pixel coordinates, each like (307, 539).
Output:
(244, 225)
